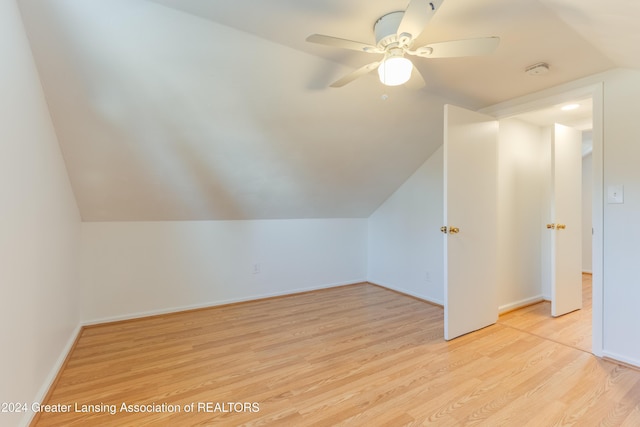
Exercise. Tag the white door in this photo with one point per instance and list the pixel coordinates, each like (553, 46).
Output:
(566, 246)
(470, 218)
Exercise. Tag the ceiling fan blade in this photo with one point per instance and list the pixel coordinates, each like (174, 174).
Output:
(416, 81)
(343, 43)
(417, 16)
(451, 49)
(357, 73)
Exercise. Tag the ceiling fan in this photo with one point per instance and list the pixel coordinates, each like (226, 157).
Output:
(395, 33)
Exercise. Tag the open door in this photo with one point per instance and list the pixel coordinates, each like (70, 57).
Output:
(470, 218)
(566, 211)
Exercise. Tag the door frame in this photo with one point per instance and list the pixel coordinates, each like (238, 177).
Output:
(559, 95)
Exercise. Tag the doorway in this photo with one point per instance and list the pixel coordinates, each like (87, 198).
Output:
(550, 288)
(514, 108)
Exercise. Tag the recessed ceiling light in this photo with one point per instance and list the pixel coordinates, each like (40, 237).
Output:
(570, 107)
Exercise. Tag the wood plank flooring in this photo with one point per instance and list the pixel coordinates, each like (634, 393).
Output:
(358, 355)
(573, 329)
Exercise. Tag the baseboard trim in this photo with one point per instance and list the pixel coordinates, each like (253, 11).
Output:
(503, 309)
(210, 304)
(617, 358)
(54, 375)
(409, 294)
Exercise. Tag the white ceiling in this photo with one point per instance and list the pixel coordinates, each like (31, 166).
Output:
(580, 118)
(204, 109)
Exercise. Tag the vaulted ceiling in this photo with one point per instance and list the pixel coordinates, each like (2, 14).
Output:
(210, 109)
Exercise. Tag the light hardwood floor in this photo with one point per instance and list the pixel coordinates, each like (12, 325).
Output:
(573, 329)
(356, 356)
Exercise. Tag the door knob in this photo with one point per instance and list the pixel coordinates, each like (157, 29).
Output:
(444, 229)
(454, 230)
(552, 226)
(561, 226)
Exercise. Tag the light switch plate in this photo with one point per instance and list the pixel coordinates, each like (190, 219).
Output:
(615, 194)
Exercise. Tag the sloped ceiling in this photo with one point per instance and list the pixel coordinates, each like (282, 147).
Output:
(201, 109)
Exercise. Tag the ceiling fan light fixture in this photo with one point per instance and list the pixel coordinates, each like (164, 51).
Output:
(396, 33)
(395, 71)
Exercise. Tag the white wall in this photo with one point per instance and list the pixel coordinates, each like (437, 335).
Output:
(136, 268)
(521, 177)
(405, 242)
(39, 230)
(622, 221)
(616, 300)
(587, 191)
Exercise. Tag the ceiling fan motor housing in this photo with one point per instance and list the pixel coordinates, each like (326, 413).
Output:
(386, 29)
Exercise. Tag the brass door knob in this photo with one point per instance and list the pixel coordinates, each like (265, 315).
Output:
(454, 230)
(561, 226)
(551, 226)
